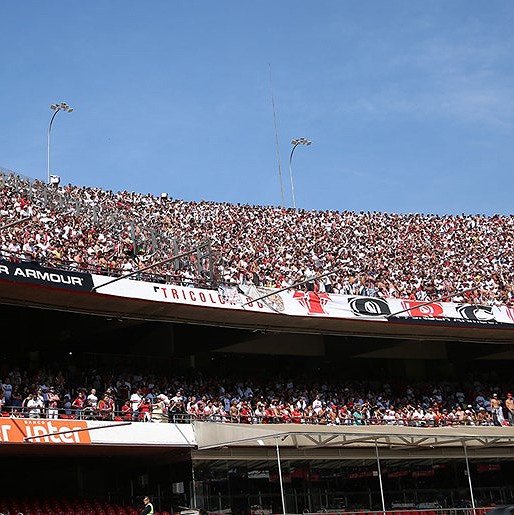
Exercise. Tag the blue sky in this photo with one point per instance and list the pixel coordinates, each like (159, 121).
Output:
(409, 104)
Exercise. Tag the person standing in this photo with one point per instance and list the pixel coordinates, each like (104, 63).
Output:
(42, 399)
(7, 389)
(145, 410)
(16, 400)
(496, 410)
(106, 408)
(509, 404)
(135, 400)
(67, 405)
(35, 406)
(93, 399)
(159, 409)
(53, 403)
(25, 402)
(148, 508)
(79, 404)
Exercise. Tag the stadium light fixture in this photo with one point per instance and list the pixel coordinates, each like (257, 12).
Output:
(295, 143)
(62, 106)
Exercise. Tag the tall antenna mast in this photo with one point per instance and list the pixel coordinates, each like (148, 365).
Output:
(276, 140)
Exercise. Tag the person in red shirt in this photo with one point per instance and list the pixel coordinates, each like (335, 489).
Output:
(343, 415)
(145, 409)
(245, 414)
(269, 415)
(79, 404)
(126, 411)
(296, 415)
(285, 413)
(106, 408)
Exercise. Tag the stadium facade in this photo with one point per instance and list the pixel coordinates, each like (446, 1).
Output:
(257, 467)
(89, 320)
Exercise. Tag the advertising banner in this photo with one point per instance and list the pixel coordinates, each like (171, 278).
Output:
(308, 303)
(88, 432)
(31, 272)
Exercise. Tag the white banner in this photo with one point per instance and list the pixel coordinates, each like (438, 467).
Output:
(303, 303)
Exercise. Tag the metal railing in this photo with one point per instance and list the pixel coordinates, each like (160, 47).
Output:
(89, 413)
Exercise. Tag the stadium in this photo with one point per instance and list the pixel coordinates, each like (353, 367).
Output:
(248, 359)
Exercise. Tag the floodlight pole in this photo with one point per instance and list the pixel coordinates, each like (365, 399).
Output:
(63, 106)
(295, 143)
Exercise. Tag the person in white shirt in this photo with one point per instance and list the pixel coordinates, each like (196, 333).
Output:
(317, 405)
(418, 416)
(92, 399)
(35, 406)
(135, 400)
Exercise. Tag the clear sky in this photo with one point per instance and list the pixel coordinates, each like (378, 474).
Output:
(409, 104)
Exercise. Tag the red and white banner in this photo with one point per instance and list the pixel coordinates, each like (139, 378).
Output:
(303, 303)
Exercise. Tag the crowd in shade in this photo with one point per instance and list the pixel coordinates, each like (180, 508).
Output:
(467, 258)
(48, 393)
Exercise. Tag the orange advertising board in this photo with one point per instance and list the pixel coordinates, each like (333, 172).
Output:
(18, 430)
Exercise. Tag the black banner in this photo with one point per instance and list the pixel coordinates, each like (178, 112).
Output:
(33, 273)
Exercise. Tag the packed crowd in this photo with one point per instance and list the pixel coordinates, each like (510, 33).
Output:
(418, 256)
(136, 397)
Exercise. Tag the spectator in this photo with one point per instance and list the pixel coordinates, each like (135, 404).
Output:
(268, 398)
(418, 256)
(144, 409)
(509, 405)
(92, 399)
(35, 406)
(67, 407)
(135, 402)
(106, 408)
(7, 388)
(16, 399)
(53, 403)
(79, 404)
(159, 410)
(496, 410)
(126, 411)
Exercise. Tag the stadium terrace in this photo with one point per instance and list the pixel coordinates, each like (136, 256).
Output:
(420, 257)
(237, 359)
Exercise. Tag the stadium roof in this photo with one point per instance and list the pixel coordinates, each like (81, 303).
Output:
(299, 441)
